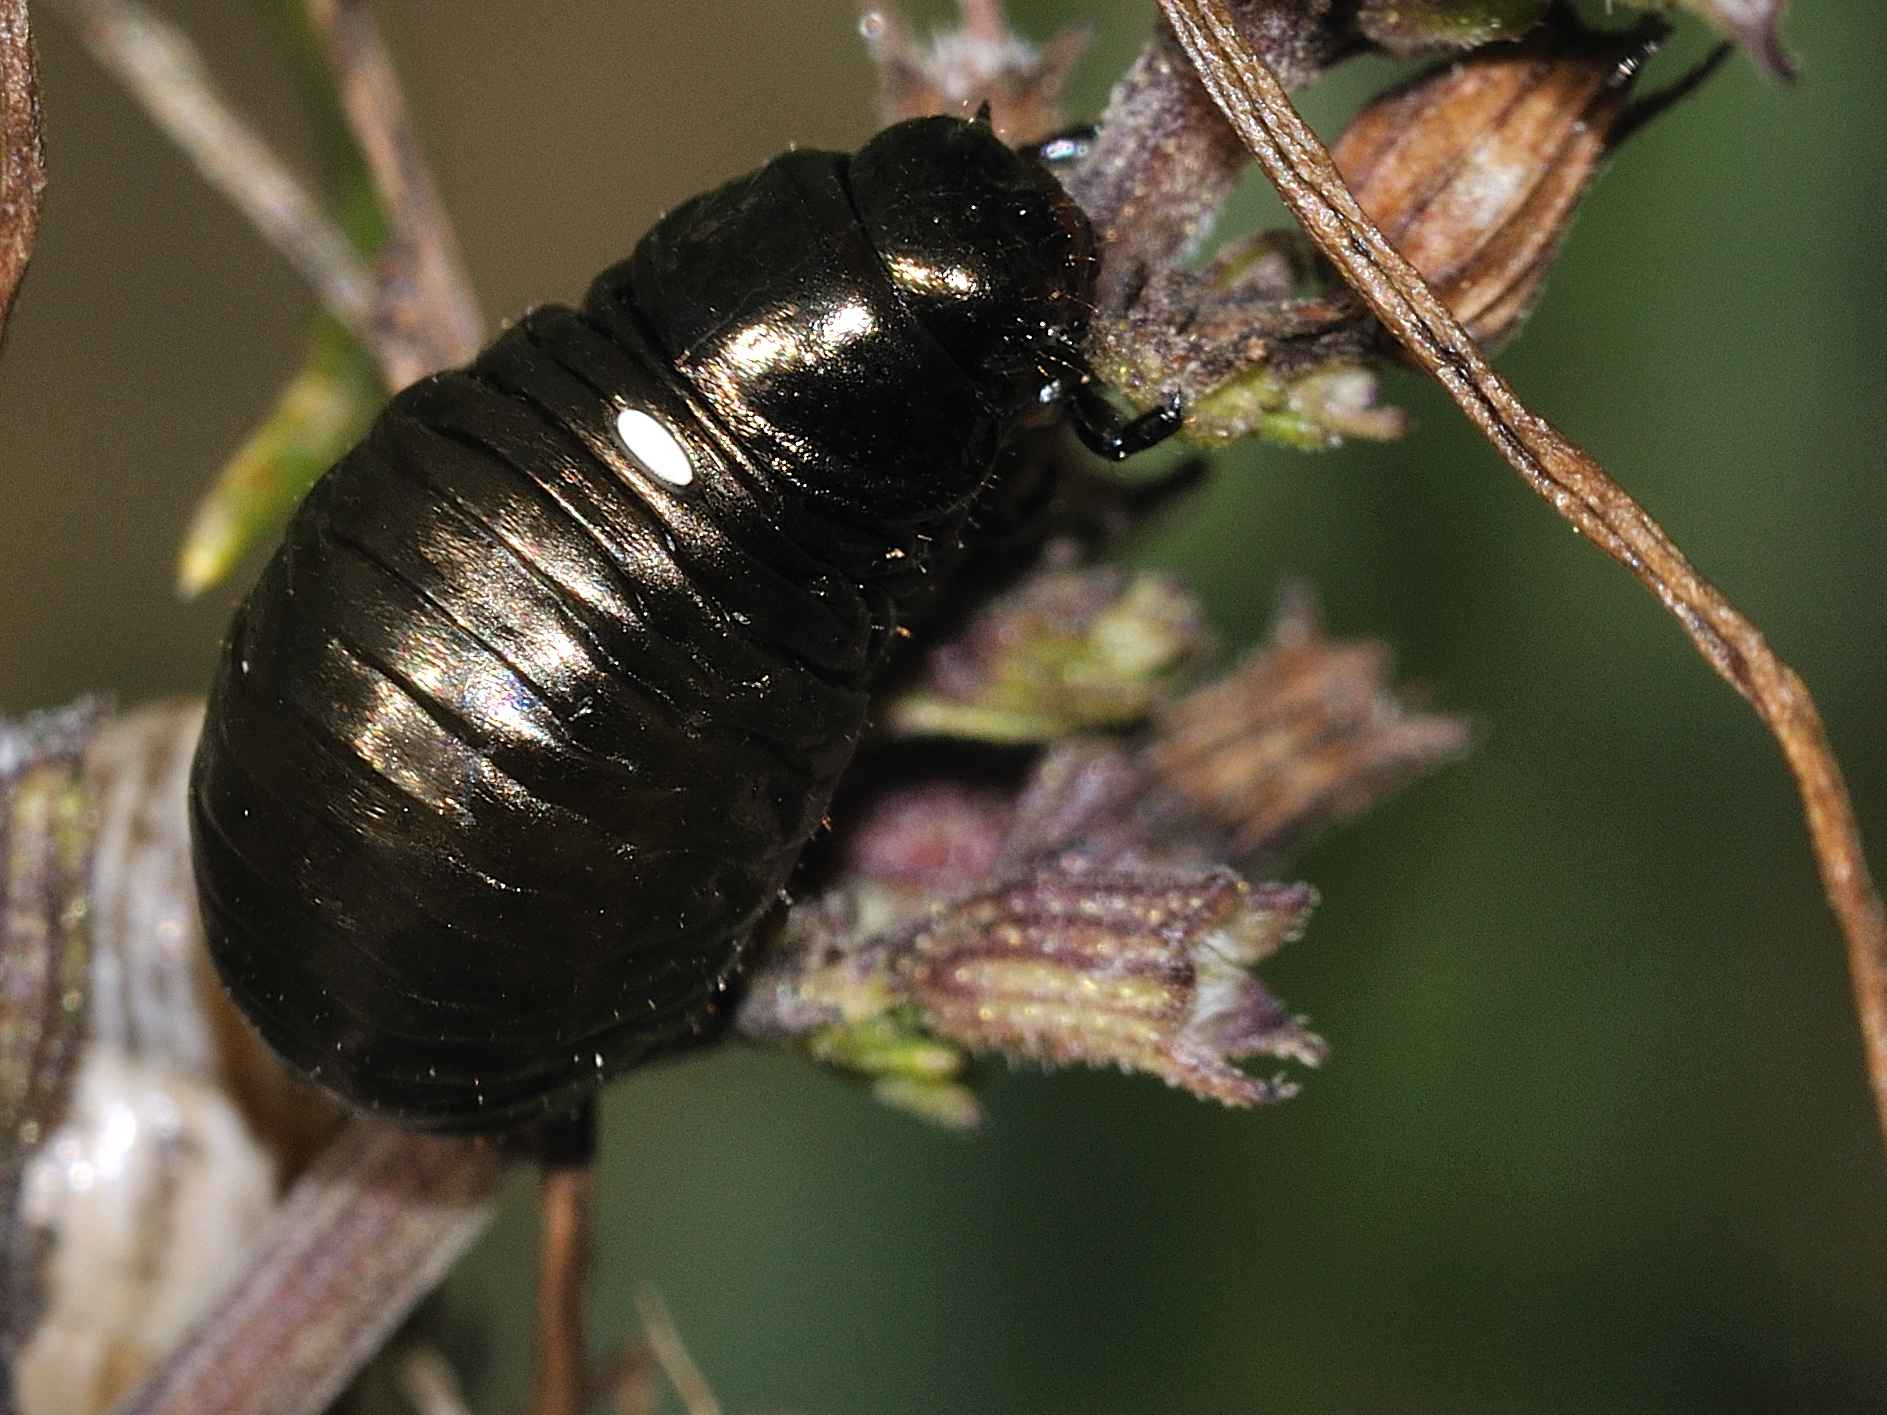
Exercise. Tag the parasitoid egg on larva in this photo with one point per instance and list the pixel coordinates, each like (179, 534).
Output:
(527, 722)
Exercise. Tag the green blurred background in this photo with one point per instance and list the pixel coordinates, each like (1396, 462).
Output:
(1594, 1135)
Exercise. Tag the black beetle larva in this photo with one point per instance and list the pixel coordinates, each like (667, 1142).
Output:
(526, 723)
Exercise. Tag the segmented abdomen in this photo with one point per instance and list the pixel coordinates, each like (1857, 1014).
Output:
(516, 739)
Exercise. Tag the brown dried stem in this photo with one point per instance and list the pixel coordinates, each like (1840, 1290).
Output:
(430, 1385)
(22, 152)
(1159, 171)
(366, 1233)
(983, 20)
(565, 1212)
(165, 74)
(416, 311)
(1567, 477)
(665, 1344)
(426, 312)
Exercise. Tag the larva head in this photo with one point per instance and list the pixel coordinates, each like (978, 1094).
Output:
(993, 257)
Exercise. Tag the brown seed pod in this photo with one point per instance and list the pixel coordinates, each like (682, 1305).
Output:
(1474, 169)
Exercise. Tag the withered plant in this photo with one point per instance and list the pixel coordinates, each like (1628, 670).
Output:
(1076, 833)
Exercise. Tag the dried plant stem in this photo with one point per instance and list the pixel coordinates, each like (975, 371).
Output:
(430, 1385)
(366, 1233)
(691, 1387)
(164, 72)
(565, 1212)
(427, 313)
(22, 152)
(983, 20)
(1566, 476)
(416, 312)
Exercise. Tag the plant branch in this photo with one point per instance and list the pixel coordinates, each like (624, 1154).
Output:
(1162, 164)
(1567, 477)
(566, 1223)
(366, 1233)
(166, 75)
(22, 152)
(415, 310)
(426, 314)
(665, 1344)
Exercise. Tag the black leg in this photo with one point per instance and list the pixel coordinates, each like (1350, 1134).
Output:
(1109, 433)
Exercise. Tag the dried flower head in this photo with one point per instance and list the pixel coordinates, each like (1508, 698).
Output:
(1145, 969)
(1403, 26)
(1305, 733)
(957, 70)
(1060, 653)
(1474, 169)
(1085, 913)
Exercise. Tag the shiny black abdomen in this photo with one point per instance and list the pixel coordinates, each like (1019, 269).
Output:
(521, 732)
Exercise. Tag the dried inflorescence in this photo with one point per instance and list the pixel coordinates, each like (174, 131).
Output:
(1474, 169)
(1304, 734)
(1063, 652)
(1144, 968)
(1087, 910)
(1143, 964)
(1412, 26)
(958, 70)
(1092, 904)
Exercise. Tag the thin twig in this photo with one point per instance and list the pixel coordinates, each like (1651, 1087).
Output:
(366, 1233)
(565, 1212)
(415, 312)
(1159, 171)
(430, 1385)
(427, 313)
(983, 20)
(22, 153)
(625, 1378)
(1567, 477)
(691, 1387)
(164, 72)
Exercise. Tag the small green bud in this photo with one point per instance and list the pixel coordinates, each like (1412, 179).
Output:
(1402, 26)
